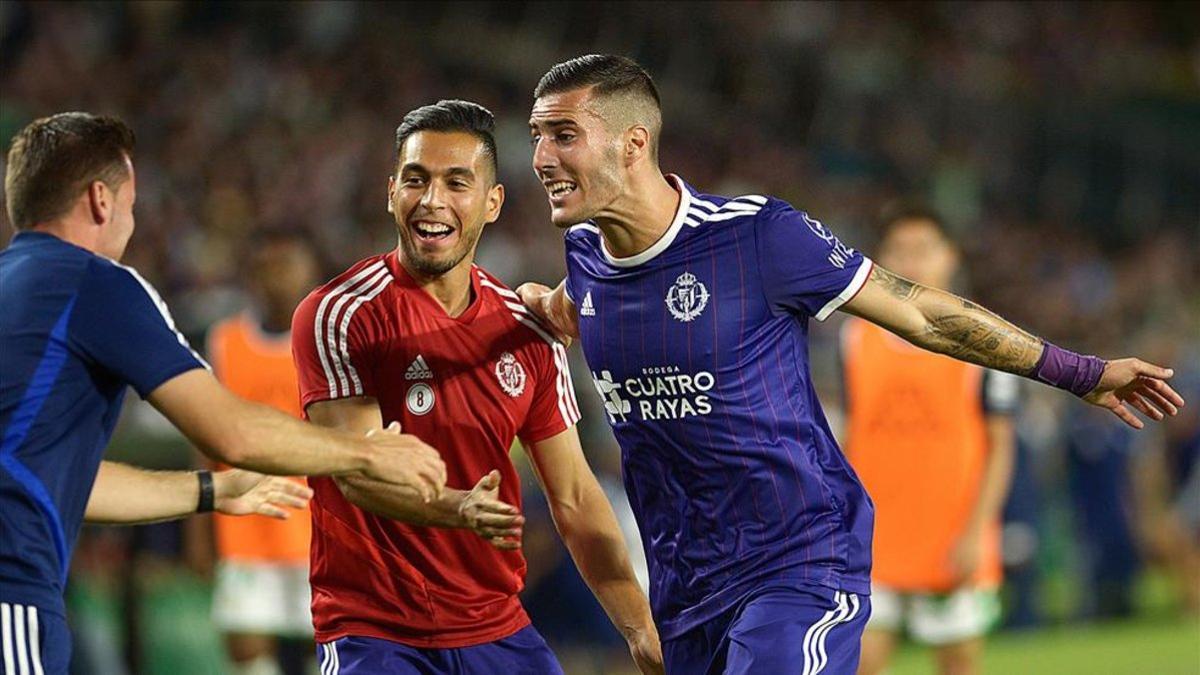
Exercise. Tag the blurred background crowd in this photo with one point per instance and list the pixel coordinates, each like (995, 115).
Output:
(1061, 142)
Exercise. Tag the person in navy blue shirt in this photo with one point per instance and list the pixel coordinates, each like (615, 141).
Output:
(76, 329)
(693, 313)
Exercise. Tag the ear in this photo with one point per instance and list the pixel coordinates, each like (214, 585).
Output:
(495, 200)
(100, 202)
(391, 190)
(637, 143)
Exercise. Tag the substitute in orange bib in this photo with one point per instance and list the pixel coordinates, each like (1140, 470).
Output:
(932, 440)
(261, 593)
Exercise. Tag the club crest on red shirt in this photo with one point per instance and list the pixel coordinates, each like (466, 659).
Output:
(511, 375)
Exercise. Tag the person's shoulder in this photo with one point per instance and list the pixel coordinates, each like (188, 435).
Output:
(362, 280)
(360, 276)
(43, 259)
(713, 209)
(111, 277)
(505, 301)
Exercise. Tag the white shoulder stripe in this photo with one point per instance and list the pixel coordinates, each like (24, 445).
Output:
(321, 325)
(344, 326)
(504, 292)
(730, 215)
(568, 407)
(161, 306)
(331, 331)
(734, 208)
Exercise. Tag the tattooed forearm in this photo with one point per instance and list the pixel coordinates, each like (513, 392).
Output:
(963, 329)
(895, 284)
(971, 333)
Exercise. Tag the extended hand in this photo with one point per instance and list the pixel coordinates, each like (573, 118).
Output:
(484, 513)
(552, 307)
(1141, 385)
(646, 650)
(406, 461)
(240, 493)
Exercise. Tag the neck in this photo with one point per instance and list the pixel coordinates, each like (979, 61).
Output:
(640, 217)
(84, 237)
(451, 290)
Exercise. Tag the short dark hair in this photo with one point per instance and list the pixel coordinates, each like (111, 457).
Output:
(448, 116)
(55, 158)
(902, 210)
(606, 73)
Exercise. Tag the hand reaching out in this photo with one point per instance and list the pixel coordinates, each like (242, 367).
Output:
(1139, 384)
(553, 308)
(490, 518)
(240, 493)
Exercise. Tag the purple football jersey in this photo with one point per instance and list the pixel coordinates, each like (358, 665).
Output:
(698, 347)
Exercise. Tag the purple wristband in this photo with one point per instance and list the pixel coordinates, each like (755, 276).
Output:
(1077, 373)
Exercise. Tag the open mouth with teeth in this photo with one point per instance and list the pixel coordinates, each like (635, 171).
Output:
(430, 232)
(559, 189)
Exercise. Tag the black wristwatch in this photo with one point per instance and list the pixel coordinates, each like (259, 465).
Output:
(207, 492)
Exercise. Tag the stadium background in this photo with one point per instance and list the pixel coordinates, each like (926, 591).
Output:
(1062, 142)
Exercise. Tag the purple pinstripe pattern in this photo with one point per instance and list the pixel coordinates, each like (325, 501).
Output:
(705, 341)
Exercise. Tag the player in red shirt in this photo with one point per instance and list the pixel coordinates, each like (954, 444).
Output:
(422, 337)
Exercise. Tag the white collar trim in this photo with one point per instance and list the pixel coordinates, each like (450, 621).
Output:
(685, 202)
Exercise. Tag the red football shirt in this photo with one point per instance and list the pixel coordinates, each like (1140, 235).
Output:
(468, 386)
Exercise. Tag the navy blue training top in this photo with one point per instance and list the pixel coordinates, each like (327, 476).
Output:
(75, 330)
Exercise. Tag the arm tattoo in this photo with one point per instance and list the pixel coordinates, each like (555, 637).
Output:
(897, 285)
(963, 329)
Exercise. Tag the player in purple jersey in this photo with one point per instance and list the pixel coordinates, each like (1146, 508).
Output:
(693, 311)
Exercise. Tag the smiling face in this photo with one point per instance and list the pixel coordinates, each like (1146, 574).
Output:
(576, 156)
(442, 194)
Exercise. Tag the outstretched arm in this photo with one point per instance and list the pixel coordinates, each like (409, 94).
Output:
(945, 323)
(253, 436)
(478, 509)
(588, 527)
(128, 495)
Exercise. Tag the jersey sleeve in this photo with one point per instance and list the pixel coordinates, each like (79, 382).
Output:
(805, 268)
(331, 353)
(1001, 392)
(554, 408)
(122, 324)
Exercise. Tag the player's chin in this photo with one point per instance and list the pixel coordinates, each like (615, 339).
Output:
(563, 217)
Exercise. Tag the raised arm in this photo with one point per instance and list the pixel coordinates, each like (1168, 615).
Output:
(254, 436)
(945, 323)
(129, 495)
(477, 509)
(588, 527)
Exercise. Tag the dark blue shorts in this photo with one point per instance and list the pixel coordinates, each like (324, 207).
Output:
(33, 640)
(778, 628)
(522, 653)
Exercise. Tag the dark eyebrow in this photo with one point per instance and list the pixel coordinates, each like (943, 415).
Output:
(452, 171)
(553, 124)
